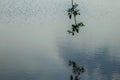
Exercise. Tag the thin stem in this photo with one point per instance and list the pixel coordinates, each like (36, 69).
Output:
(72, 2)
(73, 14)
(75, 19)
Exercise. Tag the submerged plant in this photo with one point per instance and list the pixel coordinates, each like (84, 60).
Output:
(72, 13)
(77, 71)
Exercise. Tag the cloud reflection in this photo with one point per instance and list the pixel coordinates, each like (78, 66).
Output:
(34, 43)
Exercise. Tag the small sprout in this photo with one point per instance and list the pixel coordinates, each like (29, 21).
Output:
(73, 12)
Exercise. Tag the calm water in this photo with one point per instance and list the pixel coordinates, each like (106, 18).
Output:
(35, 45)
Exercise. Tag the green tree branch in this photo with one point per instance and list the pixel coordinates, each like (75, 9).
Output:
(74, 12)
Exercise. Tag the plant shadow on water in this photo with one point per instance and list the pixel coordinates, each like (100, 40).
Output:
(100, 65)
(77, 70)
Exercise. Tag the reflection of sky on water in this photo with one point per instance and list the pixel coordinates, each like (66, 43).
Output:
(34, 44)
(100, 65)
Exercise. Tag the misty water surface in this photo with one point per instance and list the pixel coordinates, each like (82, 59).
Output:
(35, 45)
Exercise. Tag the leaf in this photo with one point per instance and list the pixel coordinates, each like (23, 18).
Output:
(69, 31)
(81, 24)
(73, 25)
(73, 33)
(71, 77)
(74, 64)
(70, 16)
(77, 30)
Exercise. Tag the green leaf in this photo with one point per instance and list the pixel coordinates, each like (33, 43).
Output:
(77, 30)
(81, 24)
(70, 16)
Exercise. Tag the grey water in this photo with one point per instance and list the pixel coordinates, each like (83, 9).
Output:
(35, 45)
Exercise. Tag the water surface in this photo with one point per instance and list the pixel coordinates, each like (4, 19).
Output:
(35, 45)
